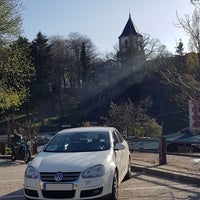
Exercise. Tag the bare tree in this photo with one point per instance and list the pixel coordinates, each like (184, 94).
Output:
(191, 26)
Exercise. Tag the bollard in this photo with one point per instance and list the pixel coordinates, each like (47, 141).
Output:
(162, 150)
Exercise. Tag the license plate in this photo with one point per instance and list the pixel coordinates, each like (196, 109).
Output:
(57, 186)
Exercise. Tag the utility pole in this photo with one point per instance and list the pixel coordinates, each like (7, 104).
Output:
(162, 150)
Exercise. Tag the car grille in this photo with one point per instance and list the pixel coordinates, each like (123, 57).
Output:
(58, 194)
(67, 176)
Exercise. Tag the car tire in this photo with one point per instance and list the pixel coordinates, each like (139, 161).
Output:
(114, 195)
(128, 174)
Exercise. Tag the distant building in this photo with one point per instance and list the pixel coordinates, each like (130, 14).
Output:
(130, 44)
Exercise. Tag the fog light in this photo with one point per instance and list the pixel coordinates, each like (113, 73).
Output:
(90, 193)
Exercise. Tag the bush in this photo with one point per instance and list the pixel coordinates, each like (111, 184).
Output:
(2, 148)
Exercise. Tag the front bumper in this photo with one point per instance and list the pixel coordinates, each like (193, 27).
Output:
(95, 188)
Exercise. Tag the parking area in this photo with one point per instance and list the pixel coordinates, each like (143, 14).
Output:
(140, 186)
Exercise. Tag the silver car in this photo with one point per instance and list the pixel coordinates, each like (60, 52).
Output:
(79, 163)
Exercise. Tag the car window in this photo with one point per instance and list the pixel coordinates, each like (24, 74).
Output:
(79, 142)
(121, 139)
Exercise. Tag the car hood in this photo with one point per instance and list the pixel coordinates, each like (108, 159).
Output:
(78, 161)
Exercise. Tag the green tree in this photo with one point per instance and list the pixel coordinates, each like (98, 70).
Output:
(10, 20)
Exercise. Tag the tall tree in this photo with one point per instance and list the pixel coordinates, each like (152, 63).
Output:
(41, 86)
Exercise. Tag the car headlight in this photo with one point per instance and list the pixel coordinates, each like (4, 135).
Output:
(31, 172)
(93, 172)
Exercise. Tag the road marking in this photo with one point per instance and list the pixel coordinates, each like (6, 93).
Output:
(11, 196)
(5, 181)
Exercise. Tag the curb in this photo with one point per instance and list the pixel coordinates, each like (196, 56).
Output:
(4, 156)
(163, 173)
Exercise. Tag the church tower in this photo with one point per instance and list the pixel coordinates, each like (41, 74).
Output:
(130, 44)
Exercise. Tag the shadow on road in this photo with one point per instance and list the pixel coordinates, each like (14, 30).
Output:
(16, 195)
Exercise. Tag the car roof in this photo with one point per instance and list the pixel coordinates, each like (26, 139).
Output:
(87, 129)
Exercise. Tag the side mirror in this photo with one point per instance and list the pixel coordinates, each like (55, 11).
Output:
(41, 148)
(119, 146)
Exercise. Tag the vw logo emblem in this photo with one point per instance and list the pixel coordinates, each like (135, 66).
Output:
(58, 176)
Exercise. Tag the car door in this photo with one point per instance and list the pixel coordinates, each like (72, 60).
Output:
(118, 154)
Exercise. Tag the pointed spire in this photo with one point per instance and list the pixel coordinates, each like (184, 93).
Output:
(129, 28)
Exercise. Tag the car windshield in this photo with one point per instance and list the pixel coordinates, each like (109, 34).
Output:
(79, 142)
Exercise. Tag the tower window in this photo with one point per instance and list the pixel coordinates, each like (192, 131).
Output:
(126, 44)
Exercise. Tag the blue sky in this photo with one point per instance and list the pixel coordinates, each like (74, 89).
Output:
(103, 20)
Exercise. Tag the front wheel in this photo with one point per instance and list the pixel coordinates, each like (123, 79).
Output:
(114, 195)
(13, 157)
(27, 157)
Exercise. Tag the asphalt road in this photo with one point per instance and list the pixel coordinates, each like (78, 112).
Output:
(145, 187)
(139, 187)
